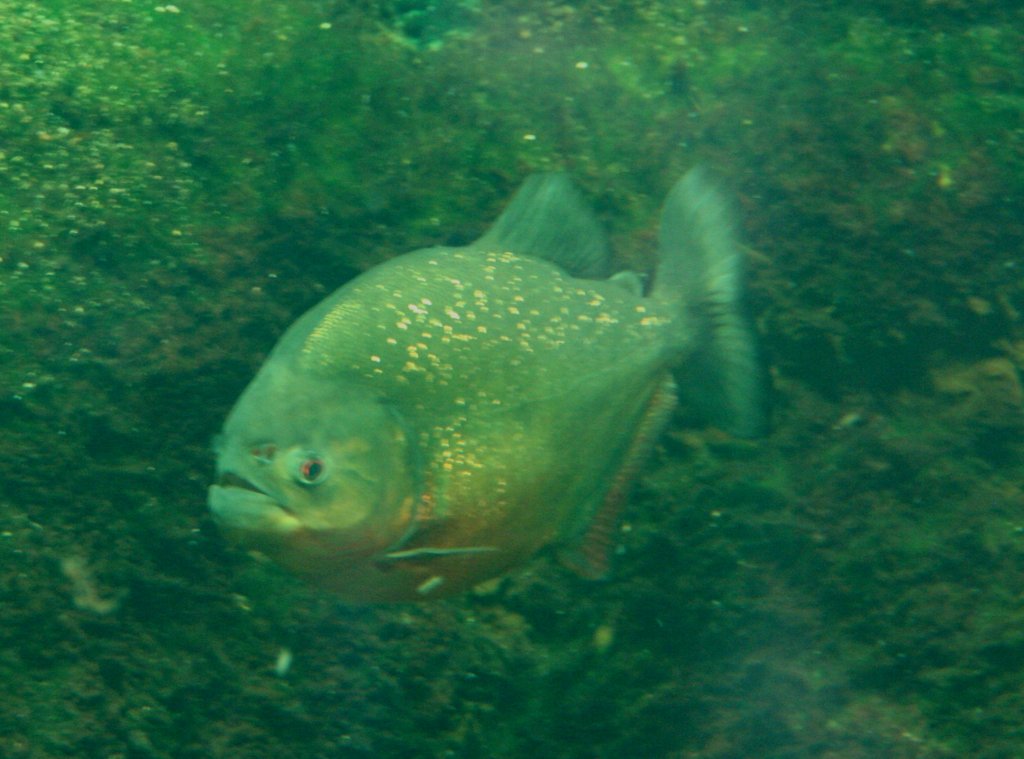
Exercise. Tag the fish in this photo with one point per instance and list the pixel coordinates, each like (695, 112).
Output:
(448, 414)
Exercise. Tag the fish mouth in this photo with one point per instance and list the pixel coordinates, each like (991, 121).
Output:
(232, 480)
(238, 504)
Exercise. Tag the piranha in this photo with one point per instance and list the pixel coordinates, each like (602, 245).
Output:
(444, 416)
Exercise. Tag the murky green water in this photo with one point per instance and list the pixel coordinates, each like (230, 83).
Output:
(178, 182)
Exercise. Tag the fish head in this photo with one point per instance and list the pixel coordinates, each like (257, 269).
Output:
(308, 470)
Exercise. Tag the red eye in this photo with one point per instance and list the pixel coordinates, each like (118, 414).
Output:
(311, 470)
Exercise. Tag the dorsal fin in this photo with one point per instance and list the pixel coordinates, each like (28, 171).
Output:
(547, 218)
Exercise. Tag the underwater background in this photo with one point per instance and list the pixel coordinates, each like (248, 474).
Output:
(179, 182)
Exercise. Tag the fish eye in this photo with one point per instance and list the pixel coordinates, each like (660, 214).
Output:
(312, 470)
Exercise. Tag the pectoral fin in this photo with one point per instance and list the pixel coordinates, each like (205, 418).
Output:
(433, 553)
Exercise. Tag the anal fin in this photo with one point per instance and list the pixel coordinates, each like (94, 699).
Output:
(433, 553)
(589, 556)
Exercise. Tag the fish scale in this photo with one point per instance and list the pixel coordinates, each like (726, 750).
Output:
(524, 339)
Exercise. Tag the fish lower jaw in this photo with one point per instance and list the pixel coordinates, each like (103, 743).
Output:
(237, 508)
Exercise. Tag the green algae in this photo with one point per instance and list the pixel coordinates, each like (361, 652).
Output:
(178, 182)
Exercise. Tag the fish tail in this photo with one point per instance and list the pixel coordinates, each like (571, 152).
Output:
(700, 269)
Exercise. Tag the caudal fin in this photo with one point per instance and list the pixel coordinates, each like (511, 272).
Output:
(701, 269)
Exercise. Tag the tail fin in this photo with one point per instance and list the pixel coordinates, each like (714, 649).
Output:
(700, 267)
